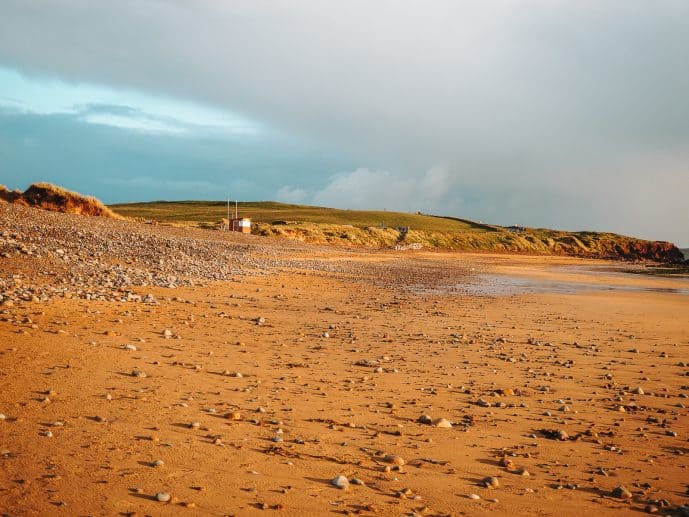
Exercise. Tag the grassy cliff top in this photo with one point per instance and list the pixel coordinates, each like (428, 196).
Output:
(271, 212)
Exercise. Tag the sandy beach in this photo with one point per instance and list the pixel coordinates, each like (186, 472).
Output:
(254, 393)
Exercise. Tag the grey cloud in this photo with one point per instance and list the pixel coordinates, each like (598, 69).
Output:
(512, 96)
(118, 164)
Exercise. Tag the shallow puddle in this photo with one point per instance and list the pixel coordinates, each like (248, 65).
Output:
(485, 284)
(501, 285)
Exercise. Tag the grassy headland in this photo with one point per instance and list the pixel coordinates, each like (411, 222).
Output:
(381, 229)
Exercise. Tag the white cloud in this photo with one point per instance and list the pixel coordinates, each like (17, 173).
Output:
(377, 189)
(289, 194)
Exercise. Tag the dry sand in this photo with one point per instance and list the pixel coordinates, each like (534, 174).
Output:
(271, 385)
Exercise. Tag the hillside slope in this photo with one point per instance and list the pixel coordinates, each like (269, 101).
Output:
(382, 229)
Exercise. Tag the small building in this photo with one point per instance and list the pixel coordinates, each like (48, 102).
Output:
(241, 224)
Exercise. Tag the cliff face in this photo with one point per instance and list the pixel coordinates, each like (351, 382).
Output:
(56, 199)
(652, 250)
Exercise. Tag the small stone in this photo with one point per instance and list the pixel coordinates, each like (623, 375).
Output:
(234, 415)
(483, 403)
(442, 423)
(340, 482)
(621, 492)
(491, 482)
(129, 347)
(163, 497)
(393, 459)
(475, 497)
(638, 390)
(167, 333)
(157, 463)
(194, 425)
(139, 373)
(425, 419)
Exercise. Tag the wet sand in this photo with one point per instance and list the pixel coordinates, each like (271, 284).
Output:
(268, 387)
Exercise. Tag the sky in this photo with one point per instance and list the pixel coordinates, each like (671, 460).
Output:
(547, 113)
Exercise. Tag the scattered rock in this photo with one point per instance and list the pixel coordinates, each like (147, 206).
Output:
(340, 482)
(442, 423)
(394, 459)
(621, 492)
(490, 482)
(163, 497)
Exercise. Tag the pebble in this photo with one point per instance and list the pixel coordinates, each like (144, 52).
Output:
(491, 482)
(621, 492)
(393, 459)
(475, 497)
(163, 497)
(425, 419)
(157, 463)
(442, 423)
(340, 482)
(129, 347)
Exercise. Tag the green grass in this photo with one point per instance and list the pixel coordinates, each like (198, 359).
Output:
(197, 212)
(378, 229)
